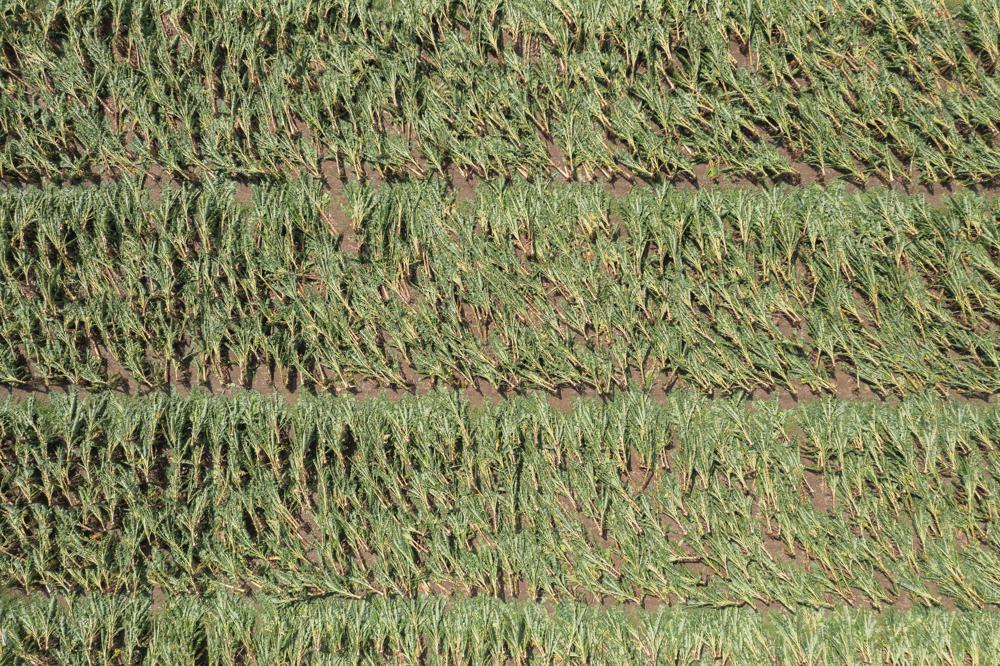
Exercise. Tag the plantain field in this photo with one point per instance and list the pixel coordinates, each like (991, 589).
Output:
(503, 332)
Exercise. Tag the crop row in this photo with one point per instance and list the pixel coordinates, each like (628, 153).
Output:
(696, 501)
(99, 87)
(227, 629)
(524, 286)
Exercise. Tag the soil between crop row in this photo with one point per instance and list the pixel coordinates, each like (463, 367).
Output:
(287, 385)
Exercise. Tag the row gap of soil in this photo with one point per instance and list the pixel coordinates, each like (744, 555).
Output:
(286, 384)
(464, 183)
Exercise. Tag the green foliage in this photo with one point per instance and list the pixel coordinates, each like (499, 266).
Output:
(524, 286)
(227, 629)
(895, 91)
(162, 528)
(712, 503)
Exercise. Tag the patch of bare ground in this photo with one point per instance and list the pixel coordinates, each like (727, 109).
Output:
(157, 600)
(243, 194)
(463, 186)
(618, 186)
(740, 53)
(484, 394)
(820, 495)
(335, 215)
(157, 180)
